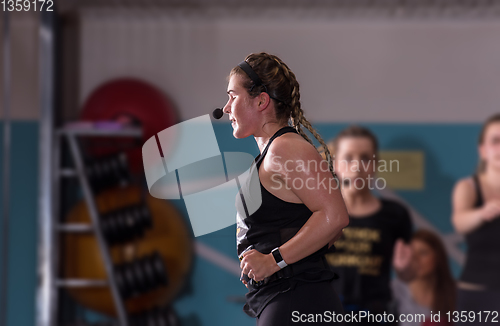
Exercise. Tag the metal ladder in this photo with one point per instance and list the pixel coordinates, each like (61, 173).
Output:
(51, 282)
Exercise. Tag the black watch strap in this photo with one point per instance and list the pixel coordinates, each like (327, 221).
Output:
(277, 257)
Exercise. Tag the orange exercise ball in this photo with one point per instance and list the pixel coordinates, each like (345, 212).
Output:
(169, 236)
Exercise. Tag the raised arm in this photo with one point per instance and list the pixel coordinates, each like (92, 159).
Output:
(402, 261)
(465, 217)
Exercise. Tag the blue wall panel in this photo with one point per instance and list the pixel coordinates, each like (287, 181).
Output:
(450, 153)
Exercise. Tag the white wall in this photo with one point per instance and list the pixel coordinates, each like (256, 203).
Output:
(349, 70)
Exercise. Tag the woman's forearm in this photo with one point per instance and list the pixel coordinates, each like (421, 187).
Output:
(465, 222)
(318, 231)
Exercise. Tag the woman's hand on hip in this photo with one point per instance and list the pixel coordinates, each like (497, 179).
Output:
(257, 265)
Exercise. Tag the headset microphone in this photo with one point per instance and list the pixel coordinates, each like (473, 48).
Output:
(218, 113)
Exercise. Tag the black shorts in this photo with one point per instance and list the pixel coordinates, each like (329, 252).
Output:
(480, 304)
(308, 303)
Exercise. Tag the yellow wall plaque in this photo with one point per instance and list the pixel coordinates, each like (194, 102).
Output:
(403, 170)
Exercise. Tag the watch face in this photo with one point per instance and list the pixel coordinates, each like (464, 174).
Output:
(277, 255)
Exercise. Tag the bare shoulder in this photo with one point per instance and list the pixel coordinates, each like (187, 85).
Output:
(464, 191)
(464, 185)
(291, 155)
(293, 147)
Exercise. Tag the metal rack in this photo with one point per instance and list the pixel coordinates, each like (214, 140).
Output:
(51, 282)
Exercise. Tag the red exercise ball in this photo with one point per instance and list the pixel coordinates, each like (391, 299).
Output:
(132, 99)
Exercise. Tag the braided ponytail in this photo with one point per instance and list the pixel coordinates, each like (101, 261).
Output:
(297, 115)
(324, 148)
(297, 118)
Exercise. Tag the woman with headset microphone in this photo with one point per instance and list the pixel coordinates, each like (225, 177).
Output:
(282, 242)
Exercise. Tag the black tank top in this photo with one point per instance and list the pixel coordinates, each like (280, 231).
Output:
(275, 221)
(483, 254)
(266, 222)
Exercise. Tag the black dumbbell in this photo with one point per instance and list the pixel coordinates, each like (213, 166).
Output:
(141, 275)
(126, 224)
(108, 172)
(101, 323)
(143, 215)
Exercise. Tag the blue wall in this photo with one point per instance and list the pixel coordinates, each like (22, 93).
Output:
(23, 222)
(450, 154)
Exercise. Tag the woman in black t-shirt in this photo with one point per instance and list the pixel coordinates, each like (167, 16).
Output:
(288, 233)
(363, 254)
(476, 214)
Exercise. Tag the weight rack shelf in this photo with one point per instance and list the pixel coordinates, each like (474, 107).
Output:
(54, 282)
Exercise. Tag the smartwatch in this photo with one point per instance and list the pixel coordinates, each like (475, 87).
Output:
(277, 257)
